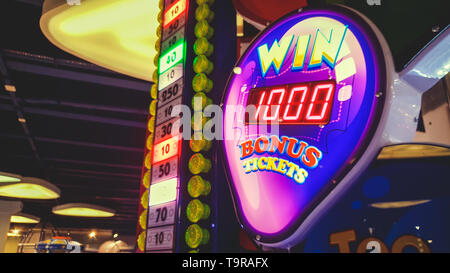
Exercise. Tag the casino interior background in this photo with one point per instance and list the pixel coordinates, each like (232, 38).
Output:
(83, 127)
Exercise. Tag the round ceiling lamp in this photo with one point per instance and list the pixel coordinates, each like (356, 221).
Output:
(116, 34)
(414, 150)
(83, 210)
(23, 218)
(30, 188)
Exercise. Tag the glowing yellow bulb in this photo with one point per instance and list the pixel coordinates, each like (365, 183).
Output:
(141, 241)
(143, 219)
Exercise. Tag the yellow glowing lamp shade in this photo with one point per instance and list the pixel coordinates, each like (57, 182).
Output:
(23, 218)
(398, 204)
(30, 188)
(9, 177)
(83, 210)
(413, 150)
(117, 34)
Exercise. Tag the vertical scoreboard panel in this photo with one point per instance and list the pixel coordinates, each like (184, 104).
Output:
(182, 212)
(164, 183)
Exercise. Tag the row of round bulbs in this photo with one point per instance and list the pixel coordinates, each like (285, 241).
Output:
(197, 210)
(149, 142)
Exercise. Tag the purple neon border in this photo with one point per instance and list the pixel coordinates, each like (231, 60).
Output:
(378, 63)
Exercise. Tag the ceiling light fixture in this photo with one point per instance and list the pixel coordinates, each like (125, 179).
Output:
(398, 204)
(413, 151)
(117, 34)
(9, 177)
(83, 210)
(30, 188)
(10, 88)
(23, 218)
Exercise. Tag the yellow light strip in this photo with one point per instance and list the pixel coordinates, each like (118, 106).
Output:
(83, 210)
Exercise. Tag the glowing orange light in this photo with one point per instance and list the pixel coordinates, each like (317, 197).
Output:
(166, 149)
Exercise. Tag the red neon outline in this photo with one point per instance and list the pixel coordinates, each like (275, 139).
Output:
(177, 16)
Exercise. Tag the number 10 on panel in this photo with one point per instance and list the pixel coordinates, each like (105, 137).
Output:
(166, 149)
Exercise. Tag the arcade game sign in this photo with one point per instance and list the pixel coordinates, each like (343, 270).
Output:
(308, 107)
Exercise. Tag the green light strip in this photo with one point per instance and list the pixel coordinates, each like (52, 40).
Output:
(173, 56)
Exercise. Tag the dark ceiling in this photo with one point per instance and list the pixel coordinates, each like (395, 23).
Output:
(85, 125)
